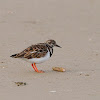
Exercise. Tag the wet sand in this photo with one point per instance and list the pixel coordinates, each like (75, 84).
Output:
(75, 25)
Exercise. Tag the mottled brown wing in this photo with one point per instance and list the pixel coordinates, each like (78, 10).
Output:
(34, 51)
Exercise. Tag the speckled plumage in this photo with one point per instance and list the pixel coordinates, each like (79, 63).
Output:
(33, 51)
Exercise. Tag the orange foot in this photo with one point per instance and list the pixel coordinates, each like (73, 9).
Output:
(40, 71)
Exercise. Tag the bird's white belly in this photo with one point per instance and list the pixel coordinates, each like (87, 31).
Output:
(40, 60)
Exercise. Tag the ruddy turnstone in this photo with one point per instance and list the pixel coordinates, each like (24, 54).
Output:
(37, 53)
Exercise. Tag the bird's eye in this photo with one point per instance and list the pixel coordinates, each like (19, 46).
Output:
(40, 50)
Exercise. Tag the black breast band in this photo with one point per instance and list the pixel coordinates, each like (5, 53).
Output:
(50, 49)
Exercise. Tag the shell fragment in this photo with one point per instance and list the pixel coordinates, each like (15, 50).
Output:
(59, 69)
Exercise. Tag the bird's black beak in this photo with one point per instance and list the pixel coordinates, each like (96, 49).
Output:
(58, 46)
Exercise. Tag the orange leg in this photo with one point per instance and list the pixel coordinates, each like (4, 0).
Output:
(35, 68)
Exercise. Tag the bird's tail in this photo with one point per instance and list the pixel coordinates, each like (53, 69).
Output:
(14, 56)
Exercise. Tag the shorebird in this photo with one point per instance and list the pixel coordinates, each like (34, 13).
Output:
(37, 53)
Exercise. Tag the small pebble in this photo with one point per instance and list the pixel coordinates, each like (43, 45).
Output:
(97, 54)
(53, 91)
(90, 39)
(87, 75)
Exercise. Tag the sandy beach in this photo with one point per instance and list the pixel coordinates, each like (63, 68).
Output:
(75, 25)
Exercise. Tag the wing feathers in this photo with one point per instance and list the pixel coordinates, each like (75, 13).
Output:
(34, 51)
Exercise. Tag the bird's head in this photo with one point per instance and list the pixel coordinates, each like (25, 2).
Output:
(52, 43)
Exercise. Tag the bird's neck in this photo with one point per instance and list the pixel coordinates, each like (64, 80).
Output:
(50, 49)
